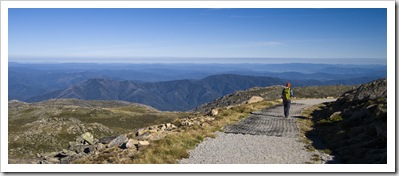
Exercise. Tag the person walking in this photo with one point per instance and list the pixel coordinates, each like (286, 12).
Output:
(286, 95)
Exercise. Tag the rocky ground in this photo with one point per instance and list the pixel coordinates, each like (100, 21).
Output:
(266, 137)
(355, 126)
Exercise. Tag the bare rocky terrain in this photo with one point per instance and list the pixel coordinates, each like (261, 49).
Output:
(355, 126)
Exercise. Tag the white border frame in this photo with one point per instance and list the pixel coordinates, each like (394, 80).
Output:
(390, 167)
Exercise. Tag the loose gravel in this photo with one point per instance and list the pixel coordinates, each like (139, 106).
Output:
(265, 137)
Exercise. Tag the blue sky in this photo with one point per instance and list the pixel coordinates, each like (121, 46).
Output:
(197, 35)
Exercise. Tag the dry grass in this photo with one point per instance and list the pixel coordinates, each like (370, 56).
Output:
(176, 146)
(306, 125)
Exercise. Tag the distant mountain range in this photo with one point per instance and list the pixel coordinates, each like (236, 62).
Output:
(168, 95)
(180, 95)
(171, 86)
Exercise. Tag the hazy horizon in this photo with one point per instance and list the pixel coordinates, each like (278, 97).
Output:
(168, 60)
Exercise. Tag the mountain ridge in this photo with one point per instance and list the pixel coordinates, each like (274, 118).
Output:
(31, 80)
(178, 95)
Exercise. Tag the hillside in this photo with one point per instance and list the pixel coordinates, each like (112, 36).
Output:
(272, 93)
(31, 80)
(49, 125)
(179, 95)
(170, 95)
(354, 127)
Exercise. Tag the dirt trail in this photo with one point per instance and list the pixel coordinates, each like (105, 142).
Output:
(265, 137)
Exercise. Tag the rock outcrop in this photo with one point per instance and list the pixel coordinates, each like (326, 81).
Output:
(355, 126)
(83, 145)
(125, 145)
(255, 99)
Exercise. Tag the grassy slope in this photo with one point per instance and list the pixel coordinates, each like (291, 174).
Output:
(49, 126)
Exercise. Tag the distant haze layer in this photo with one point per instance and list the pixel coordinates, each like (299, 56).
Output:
(153, 60)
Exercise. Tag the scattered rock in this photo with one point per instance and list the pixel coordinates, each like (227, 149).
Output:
(162, 127)
(143, 143)
(79, 148)
(80, 140)
(72, 146)
(141, 132)
(131, 144)
(49, 154)
(100, 146)
(106, 140)
(214, 112)
(255, 99)
(88, 137)
(168, 125)
(86, 145)
(89, 149)
(67, 152)
(50, 160)
(118, 141)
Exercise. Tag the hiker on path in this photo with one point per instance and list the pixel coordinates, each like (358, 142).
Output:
(286, 95)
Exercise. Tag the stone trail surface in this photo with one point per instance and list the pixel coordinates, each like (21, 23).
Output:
(265, 137)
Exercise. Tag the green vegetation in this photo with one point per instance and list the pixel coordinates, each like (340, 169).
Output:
(329, 120)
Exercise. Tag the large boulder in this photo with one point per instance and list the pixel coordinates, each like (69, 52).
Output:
(106, 140)
(80, 148)
(214, 112)
(255, 99)
(373, 90)
(131, 143)
(118, 141)
(88, 137)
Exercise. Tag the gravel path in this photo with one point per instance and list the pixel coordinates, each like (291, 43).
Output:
(265, 137)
